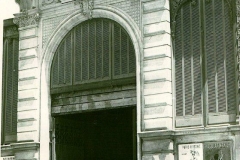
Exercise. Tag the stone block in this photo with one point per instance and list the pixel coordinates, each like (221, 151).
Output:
(158, 112)
(165, 74)
(28, 115)
(157, 64)
(155, 5)
(158, 124)
(160, 27)
(28, 74)
(28, 43)
(27, 84)
(28, 33)
(161, 156)
(158, 87)
(28, 136)
(28, 53)
(27, 105)
(157, 40)
(159, 50)
(161, 99)
(154, 17)
(186, 122)
(157, 145)
(26, 126)
(28, 63)
(28, 94)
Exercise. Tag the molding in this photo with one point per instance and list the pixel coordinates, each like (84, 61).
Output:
(25, 146)
(25, 19)
(187, 132)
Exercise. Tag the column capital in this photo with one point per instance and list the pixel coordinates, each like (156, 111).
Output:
(26, 18)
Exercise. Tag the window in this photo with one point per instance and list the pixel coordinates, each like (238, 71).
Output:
(205, 63)
(10, 90)
(93, 54)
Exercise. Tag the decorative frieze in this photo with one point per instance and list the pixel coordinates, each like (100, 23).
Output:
(25, 19)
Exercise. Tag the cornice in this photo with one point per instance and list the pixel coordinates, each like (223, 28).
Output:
(173, 133)
(25, 146)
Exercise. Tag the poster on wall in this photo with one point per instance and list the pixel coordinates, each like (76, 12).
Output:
(218, 150)
(192, 151)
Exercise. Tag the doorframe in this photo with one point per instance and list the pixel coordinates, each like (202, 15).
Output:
(48, 52)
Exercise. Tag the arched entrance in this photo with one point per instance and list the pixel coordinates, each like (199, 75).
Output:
(93, 93)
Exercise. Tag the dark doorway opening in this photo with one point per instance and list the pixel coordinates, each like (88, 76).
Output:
(99, 135)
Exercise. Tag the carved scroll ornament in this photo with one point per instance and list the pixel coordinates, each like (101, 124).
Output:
(86, 7)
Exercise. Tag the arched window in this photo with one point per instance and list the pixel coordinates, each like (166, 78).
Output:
(93, 54)
(205, 63)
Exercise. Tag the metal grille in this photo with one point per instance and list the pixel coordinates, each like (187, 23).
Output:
(10, 86)
(95, 50)
(204, 54)
(178, 67)
(187, 61)
(78, 55)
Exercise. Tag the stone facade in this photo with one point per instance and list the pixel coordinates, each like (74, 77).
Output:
(41, 29)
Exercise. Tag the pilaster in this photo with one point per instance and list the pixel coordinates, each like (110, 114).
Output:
(157, 66)
(28, 86)
(157, 83)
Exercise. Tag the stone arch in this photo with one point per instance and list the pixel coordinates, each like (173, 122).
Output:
(48, 53)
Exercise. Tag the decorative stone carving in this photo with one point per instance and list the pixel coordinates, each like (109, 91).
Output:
(25, 19)
(86, 7)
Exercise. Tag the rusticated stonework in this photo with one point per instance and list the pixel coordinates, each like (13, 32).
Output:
(24, 19)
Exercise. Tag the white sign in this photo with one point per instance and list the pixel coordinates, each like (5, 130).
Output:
(7, 158)
(192, 151)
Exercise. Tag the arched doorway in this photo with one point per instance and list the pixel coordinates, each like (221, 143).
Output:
(93, 93)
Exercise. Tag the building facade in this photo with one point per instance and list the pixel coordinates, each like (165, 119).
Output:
(121, 79)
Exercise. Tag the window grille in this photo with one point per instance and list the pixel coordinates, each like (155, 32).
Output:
(205, 64)
(93, 51)
(10, 89)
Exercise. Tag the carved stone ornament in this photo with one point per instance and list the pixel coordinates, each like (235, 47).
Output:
(86, 7)
(24, 19)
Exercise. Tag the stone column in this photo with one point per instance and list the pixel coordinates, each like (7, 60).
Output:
(27, 145)
(157, 87)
